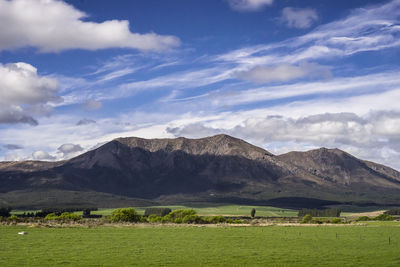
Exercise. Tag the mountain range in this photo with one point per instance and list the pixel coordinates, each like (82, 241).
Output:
(217, 169)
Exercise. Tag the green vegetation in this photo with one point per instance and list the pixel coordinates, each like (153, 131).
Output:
(395, 211)
(65, 216)
(201, 246)
(320, 212)
(124, 215)
(382, 217)
(253, 212)
(157, 211)
(226, 210)
(5, 211)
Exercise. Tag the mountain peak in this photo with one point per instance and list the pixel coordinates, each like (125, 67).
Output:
(221, 144)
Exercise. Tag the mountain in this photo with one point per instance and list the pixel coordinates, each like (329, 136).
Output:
(221, 168)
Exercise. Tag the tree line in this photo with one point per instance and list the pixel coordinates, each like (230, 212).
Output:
(319, 212)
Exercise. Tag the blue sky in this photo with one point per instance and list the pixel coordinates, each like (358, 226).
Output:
(284, 75)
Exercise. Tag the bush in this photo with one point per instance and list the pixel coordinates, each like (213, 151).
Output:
(154, 218)
(67, 216)
(306, 219)
(363, 219)
(177, 216)
(336, 220)
(218, 219)
(51, 216)
(384, 217)
(13, 218)
(191, 219)
(157, 211)
(124, 215)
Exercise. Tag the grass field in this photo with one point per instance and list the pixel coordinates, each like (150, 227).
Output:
(200, 246)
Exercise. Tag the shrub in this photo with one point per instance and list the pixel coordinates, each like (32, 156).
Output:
(218, 219)
(384, 217)
(67, 216)
(51, 216)
(191, 219)
(13, 218)
(181, 213)
(229, 221)
(157, 211)
(178, 220)
(154, 218)
(124, 215)
(306, 219)
(336, 220)
(363, 219)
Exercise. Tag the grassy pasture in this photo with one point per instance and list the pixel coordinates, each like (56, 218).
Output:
(199, 246)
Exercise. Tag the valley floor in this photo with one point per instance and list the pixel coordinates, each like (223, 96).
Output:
(374, 244)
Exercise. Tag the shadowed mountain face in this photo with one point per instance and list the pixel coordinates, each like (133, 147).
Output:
(214, 169)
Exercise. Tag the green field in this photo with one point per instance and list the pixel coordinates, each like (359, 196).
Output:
(200, 246)
(226, 210)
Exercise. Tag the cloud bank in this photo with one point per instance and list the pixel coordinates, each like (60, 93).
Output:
(54, 26)
(23, 93)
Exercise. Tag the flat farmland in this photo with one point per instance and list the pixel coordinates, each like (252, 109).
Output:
(199, 246)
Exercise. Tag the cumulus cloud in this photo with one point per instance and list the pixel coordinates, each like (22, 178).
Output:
(92, 104)
(374, 136)
(42, 155)
(70, 150)
(85, 122)
(299, 17)
(24, 93)
(53, 26)
(283, 73)
(249, 5)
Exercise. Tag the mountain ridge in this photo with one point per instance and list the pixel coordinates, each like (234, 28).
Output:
(207, 169)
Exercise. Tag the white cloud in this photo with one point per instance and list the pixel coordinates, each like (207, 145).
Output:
(366, 29)
(249, 5)
(299, 17)
(92, 104)
(70, 150)
(283, 73)
(42, 155)
(24, 93)
(53, 26)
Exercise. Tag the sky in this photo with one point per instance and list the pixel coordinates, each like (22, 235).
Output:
(281, 74)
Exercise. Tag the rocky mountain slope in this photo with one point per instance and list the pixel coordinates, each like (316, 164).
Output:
(220, 168)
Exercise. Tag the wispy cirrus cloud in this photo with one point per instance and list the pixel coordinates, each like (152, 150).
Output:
(249, 5)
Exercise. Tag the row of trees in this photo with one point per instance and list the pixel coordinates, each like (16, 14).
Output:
(395, 211)
(5, 211)
(176, 216)
(319, 213)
